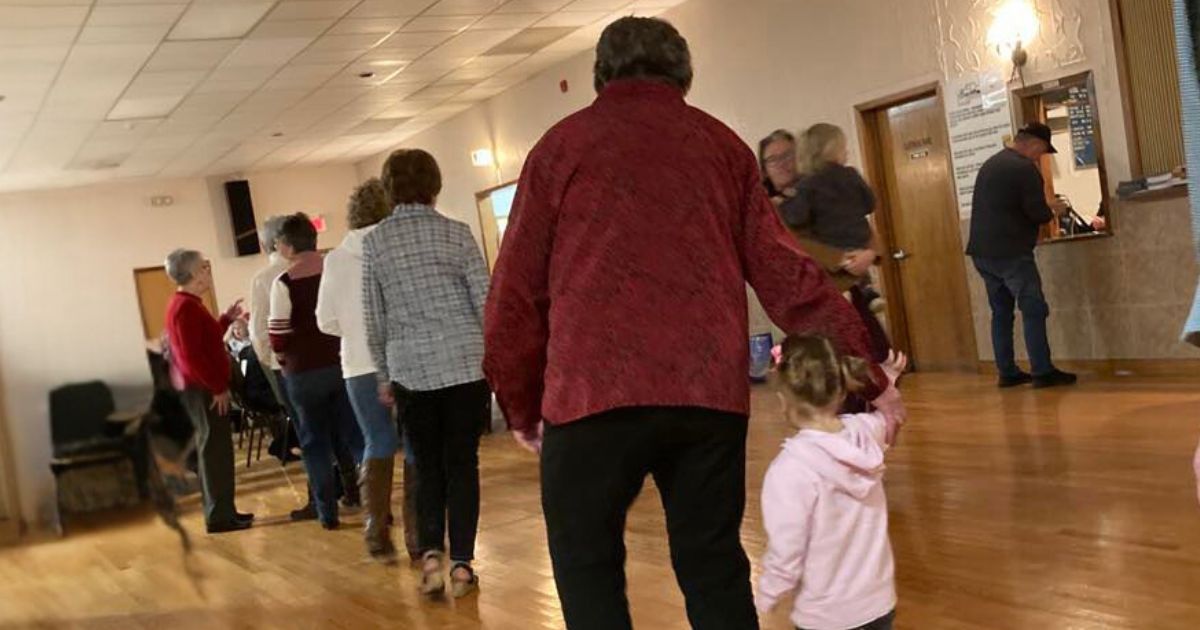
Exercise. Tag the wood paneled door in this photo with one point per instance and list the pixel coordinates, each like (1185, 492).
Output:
(907, 155)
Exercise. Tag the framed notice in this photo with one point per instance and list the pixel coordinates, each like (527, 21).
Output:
(980, 122)
(1083, 127)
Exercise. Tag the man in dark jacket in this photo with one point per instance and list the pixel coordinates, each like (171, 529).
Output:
(1008, 208)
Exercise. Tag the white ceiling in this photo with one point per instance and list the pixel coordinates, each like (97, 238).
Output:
(101, 90)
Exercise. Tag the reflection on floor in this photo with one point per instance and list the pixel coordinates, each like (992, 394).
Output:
(1015, 510)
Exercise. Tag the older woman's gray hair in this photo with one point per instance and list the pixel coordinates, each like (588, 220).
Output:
(643, 48)
(270, 232)
(181, 265)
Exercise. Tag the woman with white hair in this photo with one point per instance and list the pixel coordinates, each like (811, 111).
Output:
(200, 370)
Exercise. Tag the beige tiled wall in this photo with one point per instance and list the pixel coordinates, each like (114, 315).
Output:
(1123, 297)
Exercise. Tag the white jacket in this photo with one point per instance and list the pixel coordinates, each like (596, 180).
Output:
(260, 307)
(340, 303)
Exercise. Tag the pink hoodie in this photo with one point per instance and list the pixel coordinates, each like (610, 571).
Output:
(827, 525)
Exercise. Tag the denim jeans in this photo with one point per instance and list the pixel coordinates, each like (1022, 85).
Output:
(1012, 283)
(375, 420)
(323, 408)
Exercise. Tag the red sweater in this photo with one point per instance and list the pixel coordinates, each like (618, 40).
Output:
(197, 343)
(621, 282)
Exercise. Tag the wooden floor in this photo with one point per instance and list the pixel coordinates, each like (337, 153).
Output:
(1071, 509)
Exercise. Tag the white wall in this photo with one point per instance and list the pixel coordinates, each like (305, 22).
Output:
(70, 310)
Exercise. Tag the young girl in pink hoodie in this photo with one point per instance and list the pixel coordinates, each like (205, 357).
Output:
(822, 500)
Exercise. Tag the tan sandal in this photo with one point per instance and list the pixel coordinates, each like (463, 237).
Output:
(433, 579)
(460, 587)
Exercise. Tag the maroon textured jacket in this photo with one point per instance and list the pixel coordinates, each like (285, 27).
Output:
(621, 282)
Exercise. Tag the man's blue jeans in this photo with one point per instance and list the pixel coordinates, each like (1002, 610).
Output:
(1013, 283)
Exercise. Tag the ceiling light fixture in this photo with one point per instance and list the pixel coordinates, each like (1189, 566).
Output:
(277, 134)
(366, 75)
(482, 157)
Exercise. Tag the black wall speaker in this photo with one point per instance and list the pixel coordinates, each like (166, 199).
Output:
(241, 213)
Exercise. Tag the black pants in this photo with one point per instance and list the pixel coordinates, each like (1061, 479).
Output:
(883, 623)
(593, 469)
(214, 447)
(444, 427)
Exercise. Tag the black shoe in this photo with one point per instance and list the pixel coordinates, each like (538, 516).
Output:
(331, 525)
(244, 516)
(233, 526)
(1021, 378)
(306, 513)
(1057, 378)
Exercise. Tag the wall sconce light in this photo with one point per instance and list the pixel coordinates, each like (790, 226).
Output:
(1013, 28)
(482, 157)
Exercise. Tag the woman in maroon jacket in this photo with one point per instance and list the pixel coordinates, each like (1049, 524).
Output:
(618, 316)
(200, 369)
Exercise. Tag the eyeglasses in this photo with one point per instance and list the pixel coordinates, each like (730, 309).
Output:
(778, 160)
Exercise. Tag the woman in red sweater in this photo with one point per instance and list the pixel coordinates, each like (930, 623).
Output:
(200, 369)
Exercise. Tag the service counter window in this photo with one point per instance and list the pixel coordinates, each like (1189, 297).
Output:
(1076, 173)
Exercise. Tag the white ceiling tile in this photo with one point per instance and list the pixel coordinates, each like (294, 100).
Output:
(440, 92)
(220, 20)
(37, 36)
(301, 76)
(133, 107)
(381, 26)
(376, 126)
(507, 20)
(92, 78)
(320, 57)
(219, 86)
(271, 101)
(532, 6)
(292, 28)
(310, 9)
(463, 7)
(405, 39)
(50, 145)
(151, 34)
(190, 55)
(361, 42)
(482, 68)
(447, 23)
(472, 43)
(596, 5)
(573, 18)
(265, 52)
(135, 15)
(26, 56)
(202, 106)
(656, 4)
(390, 8)
(41, 16)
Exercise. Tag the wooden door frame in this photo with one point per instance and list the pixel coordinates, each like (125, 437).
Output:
(870, 143)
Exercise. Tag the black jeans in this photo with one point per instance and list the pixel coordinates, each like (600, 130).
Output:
(593, 469)
(883, 623)
(444, 427)
(214, 448)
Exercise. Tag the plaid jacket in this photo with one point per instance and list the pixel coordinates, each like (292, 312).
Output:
(424, 286)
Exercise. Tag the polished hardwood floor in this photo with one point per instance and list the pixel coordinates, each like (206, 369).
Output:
(1065, 509)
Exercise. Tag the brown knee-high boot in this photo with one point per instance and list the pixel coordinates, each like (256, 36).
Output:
(409, 512)
(376, 492)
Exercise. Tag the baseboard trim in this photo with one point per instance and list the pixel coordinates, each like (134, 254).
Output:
(1153, 368)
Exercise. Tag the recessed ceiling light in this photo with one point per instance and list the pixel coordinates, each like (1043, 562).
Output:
(366, 75)
(277, 134)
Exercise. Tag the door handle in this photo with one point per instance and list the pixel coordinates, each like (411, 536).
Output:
(899, 254)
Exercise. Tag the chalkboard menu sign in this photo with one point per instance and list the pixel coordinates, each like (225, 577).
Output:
(1083, 127)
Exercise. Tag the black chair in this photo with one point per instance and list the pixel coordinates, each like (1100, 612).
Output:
(261, 413)
(99, 453)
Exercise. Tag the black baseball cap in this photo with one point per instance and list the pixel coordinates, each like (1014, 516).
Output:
(1041, 132)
